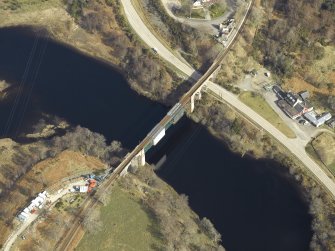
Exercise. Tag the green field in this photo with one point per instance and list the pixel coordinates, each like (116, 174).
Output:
(217, 10)
(198, 13)
(259, 104)
(322, 150)
(126, 226)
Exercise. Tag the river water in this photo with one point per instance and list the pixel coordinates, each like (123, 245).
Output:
(252, 203)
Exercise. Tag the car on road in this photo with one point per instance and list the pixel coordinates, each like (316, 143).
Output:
(155, 50)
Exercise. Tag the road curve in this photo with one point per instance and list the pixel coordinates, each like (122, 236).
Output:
(294, 145)
(145, 34)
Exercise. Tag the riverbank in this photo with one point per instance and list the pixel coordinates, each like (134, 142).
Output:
(238, 127)
(244, 137)
(165, 219)
(100, 32)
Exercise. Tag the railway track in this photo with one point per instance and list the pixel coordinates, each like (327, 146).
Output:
(65, 243)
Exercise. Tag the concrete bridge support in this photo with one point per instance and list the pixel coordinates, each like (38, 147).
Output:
(196, 95)
(139, 159)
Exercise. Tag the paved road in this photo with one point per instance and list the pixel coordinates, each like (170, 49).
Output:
(32, 217)
(146, 35)
(296, 146)
(206, 25)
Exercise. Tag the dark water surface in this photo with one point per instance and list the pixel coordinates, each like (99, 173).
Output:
(80, 89)
(251, 202)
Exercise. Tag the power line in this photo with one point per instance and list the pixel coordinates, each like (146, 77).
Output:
(27, 99)
(21, 88)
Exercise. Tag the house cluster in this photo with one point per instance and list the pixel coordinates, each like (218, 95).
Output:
(225, 30)
(200, 3)
(35, 204)
(296, 106)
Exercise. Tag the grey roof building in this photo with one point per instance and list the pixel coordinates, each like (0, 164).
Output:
(304, 95)
(317, 120)
(292, 99)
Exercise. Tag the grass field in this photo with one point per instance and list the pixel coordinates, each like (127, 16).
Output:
(198, 13)
(322, 150)
(126, 227)
(29, 5)
(259, 104)
(216, 10)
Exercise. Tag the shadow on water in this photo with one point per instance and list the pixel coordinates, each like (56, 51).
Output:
(70, 85)
(251, 202)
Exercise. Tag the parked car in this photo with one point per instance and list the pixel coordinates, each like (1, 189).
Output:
(302, 121)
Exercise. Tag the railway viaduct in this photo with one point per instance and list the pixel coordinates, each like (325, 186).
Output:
(186, 103)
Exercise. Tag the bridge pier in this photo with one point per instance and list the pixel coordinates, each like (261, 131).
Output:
(139, 159)
(196, 95)
(125, 170)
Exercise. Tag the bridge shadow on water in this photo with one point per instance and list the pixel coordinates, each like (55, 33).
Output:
(254, 204)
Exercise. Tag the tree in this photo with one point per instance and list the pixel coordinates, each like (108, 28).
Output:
(187, 6)
(331, 102)
(210, 230)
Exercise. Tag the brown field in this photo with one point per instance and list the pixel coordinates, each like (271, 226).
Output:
(297, 84)
(44, 174)
(64, 165)
(321, 71)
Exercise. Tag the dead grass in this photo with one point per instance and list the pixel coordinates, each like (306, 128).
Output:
(41, 176)
(322, 71)
(53, 16)
(64, 165)
(44, 233)
(297, 84)
(259, 104)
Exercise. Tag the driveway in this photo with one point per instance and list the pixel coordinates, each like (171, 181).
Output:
(209, 26)
(32, 217)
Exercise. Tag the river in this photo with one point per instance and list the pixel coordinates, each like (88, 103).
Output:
(252, 203)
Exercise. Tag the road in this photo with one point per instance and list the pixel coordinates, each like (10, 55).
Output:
(209, 26)
(146, 35)
(295, 146)
(32, 217)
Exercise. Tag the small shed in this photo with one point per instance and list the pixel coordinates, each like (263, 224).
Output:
(331, 123)
(83, 189)
(304, 95)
